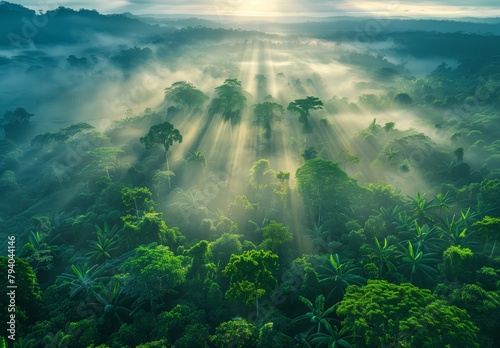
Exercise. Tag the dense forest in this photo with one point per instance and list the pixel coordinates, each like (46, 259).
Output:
(189, 183)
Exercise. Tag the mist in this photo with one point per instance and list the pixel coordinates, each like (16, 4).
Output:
(308, 144)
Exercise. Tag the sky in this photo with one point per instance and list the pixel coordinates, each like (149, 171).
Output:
(279, 8)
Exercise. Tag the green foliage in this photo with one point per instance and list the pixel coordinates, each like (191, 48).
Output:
(27, 294)
(163, 134)
(105, 245)
(274, 236)
(303, 107)
(251, 275)
(185, 95)
(482, 306)
(416, 264)
(154, 271)
(83, 281)
(317, 316)
(455, 263)
(338, 276)
(138, 197)
(381, 313)
(105, 159)
(236, 333)
(230, 101)
(261, 174)
(325, 186)
(269, 337)
(265, 114)
(223, 247)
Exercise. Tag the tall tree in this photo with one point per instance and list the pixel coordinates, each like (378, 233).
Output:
(163, 134)
(251, 275)
(325, 186)
(151, 273)
(265, 114)
(304, 107)
(230, 101)
(185, 96)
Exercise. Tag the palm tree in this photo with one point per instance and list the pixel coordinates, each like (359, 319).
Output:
(456, 233)
(443, 202)
(391, 155)
(426, 238)
(58, 340)
(333, 338)
(403, 222)
(111, 301)
(105, 244)
(196, 157)
(23, 343)
(421, 207)
(338, 276)
(318, 235)
(317, 316)
(83, 280)
(415, 262)
(382, 255)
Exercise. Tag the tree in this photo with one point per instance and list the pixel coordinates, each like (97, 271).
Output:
(265, 114)
(27, 295)
(304, 107)
(230, 101)
(443, 202)
(383, 256)
(309, 153)
(389, 126)
(261, 174)
(490, 227)
(251, 275)
(16, 123)
(274, 235)
(420, 207)
(163, 134)
(416, 262)
(459, 153)
(196, 158)
(317, 315)
(224, 247)
(154, 271)
(347, 158)
(338, 276)
(325, 186)
(332, 338)
(236, 333)
(105, 245)
(385, 314)
(403, 99)
(160, 178)
(83, 280)
(105, 159)
(185, 96)
(139, 197)
(455, 260)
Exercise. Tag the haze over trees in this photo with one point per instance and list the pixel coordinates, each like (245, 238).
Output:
(180, 182)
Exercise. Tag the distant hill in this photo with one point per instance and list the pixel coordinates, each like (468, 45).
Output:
(22, 27)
